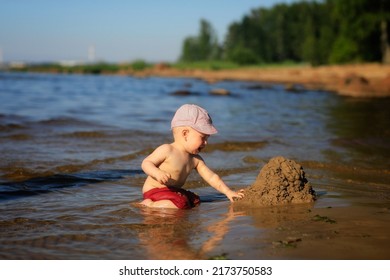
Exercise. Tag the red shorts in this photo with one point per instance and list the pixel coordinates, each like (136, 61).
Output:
(182, 198)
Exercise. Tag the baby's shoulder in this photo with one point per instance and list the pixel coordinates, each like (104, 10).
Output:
(163, 149)
(196, 159)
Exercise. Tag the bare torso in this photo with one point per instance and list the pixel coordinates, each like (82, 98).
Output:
(178, 164)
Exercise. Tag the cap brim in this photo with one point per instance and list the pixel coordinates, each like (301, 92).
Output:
(206, 129)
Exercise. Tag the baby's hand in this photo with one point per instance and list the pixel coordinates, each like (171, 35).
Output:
(163, 177)
(233, 196)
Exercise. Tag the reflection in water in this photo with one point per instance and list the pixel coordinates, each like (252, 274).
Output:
(168, 233)
(362, 127)
(358, 159)
(274, 216)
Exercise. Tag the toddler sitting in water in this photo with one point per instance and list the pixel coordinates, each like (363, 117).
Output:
(170, 164)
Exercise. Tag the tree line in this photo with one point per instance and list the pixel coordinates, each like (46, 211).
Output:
(316, 32)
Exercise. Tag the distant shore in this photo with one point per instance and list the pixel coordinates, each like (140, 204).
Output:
(358, 80)
(369, 80)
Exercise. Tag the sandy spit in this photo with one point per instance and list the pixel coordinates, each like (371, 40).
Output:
(356, 80)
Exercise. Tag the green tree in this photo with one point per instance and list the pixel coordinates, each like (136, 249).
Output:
(202, 47)
(240, 45)
(359, 29)
(318, 32)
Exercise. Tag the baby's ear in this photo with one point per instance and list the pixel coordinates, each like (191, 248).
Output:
(185, 132)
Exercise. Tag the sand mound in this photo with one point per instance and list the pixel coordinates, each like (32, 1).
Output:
(280, 181)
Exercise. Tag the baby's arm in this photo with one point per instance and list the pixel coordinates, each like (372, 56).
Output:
(150, 164)
(215, 181)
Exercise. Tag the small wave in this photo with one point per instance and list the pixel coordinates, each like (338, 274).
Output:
(236, 146)
(108, 133)
(66, 121)
(20, 221)
(10, 127)
(212, 197)
(86, 134)
(22, 76)
(41, 185)
(11, 122)
(17, 172)
(18, 136)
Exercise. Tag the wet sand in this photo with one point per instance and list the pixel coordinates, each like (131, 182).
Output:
(350, 232)
(340, 224)
(349, 224)
(281, 181)
(357, 80)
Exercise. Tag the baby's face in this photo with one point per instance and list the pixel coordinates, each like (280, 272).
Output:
(196, 141)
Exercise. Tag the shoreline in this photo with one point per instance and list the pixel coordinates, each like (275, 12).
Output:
(365, 80)
(354, 80)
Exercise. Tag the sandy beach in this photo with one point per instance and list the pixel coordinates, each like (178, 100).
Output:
(357, 80)
(350, 232)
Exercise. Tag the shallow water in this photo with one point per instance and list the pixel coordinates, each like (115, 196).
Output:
(71, 148)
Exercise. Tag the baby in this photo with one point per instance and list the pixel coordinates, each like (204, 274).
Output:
(169, 165)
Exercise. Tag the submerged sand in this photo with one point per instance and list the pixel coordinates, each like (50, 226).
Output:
(323, 230)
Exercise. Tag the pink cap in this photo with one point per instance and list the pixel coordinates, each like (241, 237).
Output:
(194, 116)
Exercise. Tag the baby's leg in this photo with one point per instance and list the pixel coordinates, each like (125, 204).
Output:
(159, 204)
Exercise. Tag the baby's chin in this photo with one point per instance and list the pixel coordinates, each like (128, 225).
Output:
(195, 152)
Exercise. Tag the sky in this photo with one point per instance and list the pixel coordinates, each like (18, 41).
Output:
(112, 30)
